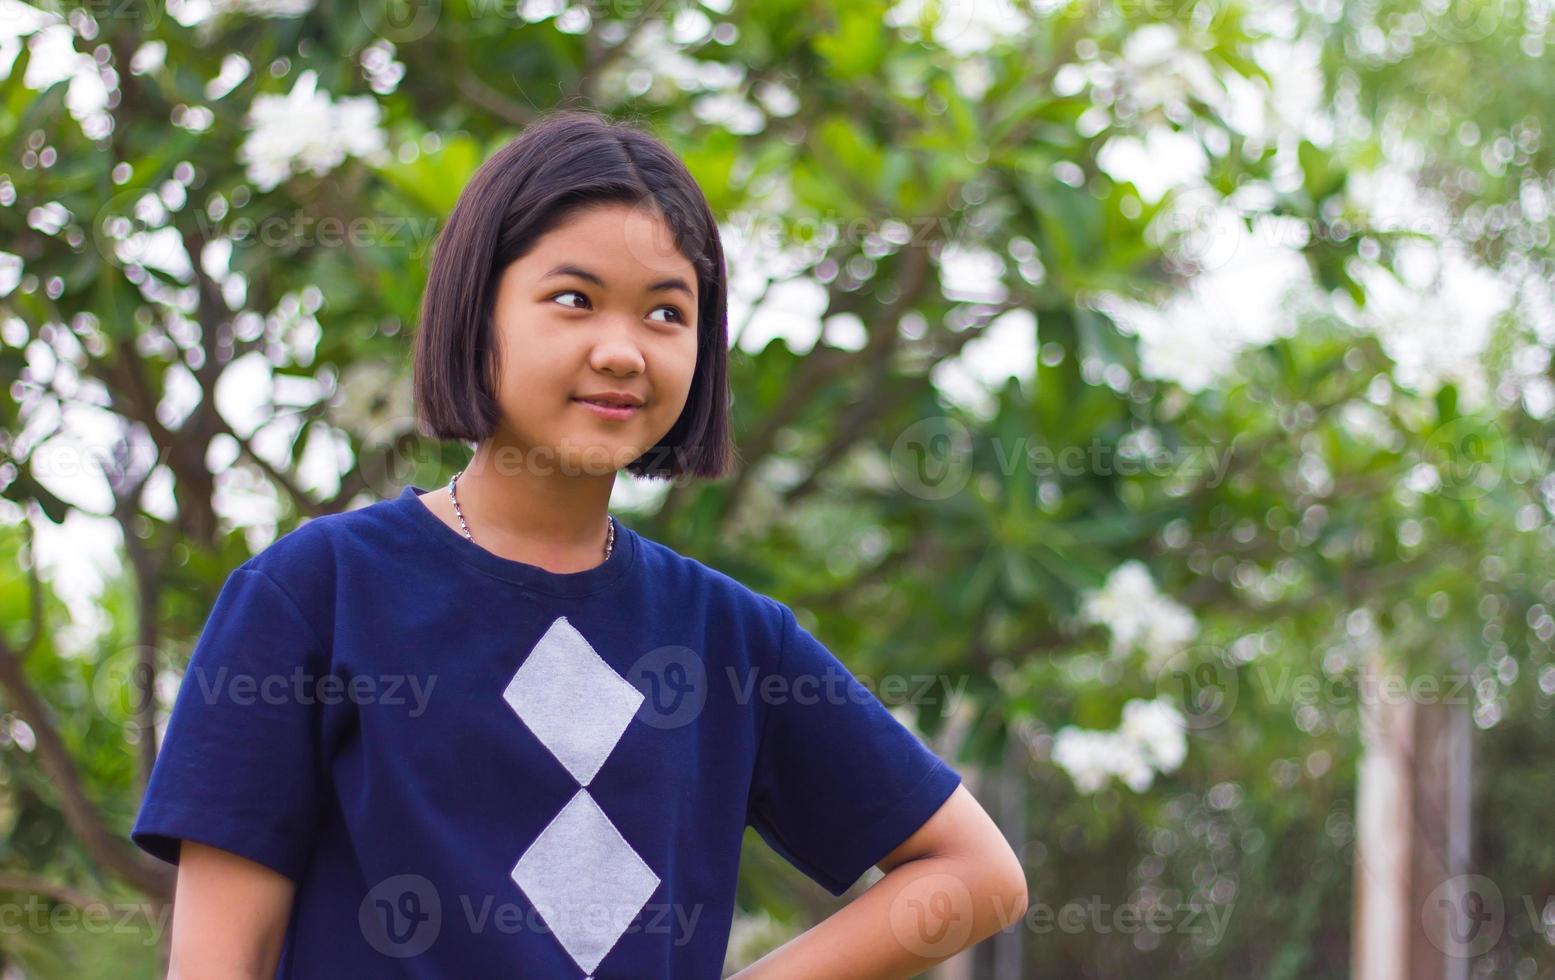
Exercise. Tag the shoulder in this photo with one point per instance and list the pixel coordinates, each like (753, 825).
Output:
(705, 584)
(305, 559)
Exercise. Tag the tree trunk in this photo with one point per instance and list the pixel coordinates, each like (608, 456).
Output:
(1418, 914)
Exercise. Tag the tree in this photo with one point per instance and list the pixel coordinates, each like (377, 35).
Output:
(1001, 223)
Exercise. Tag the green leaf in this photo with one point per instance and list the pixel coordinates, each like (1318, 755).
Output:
(854, 49)
(1446, 403)
(435, 179)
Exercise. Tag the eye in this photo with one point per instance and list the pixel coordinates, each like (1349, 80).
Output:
(679, 316)
(571, 292)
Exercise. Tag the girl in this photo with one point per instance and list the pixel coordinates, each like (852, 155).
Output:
(488, 729)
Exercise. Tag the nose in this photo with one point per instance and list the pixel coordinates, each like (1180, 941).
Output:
(616, 350)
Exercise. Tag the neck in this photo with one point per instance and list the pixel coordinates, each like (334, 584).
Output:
(552, 519)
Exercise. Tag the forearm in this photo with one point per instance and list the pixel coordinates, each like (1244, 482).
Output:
(921, 913)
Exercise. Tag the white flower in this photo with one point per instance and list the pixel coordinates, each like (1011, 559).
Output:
(1082, 753)
(1169, 628)
(1151, 739)
(1161, 70)
(21, 733)
(374, 400)
(1131, 766)
(1244, 292)
(963, 27)
(1159, 731)
(731, 111)
(1121, 603)
(973, 77)
(776, 98)
(306, 130)
(265, 8)
(1138, 615)
(1092, 757)
(10, 272)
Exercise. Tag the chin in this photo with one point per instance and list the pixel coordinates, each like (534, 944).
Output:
(596, 456)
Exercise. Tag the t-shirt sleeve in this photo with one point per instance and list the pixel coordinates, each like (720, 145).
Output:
(238, 763)
(838, 781)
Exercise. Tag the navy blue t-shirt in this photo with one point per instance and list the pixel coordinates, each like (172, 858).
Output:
(472, 766)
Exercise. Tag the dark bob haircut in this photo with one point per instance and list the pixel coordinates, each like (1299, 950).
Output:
(567, 161)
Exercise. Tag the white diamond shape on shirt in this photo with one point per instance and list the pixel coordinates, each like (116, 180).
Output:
(573, 701)
(585, 879)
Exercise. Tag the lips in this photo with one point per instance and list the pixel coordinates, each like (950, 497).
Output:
(615, 412)
(612, 399)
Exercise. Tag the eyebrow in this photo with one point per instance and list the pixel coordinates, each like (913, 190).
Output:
(566, 269)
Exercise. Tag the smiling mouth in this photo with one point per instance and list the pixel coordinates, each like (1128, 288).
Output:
(608, 409)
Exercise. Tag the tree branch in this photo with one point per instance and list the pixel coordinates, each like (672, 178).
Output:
(35, 885)
(865, 411)
(493, 101)
(108, 849)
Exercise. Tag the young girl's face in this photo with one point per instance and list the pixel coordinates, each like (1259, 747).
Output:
(604, 303)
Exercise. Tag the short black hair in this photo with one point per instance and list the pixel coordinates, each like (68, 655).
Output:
(566, 161)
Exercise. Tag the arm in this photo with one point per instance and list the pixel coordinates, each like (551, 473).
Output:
(229, 916)
(952, 884)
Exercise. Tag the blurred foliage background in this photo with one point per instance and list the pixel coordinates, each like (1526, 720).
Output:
(1140, 370)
